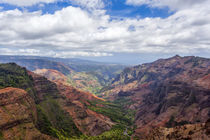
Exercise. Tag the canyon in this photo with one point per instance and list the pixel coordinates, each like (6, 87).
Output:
(165, 99)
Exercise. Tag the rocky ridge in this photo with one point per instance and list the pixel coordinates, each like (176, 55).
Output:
(76, 104)
(17, 115)
(166, 93)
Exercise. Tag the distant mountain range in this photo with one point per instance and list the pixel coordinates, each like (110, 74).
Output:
(81, 73)
(166, 99)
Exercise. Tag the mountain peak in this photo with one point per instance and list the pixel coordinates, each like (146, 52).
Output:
(177, 56)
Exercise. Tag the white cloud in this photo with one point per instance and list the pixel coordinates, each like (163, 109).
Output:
(26, 2)
(81, 53)
(62, 54)
(89, 4)
(75, 32)
(172, 4)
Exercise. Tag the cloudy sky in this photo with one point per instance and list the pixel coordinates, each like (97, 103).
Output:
(124, 31)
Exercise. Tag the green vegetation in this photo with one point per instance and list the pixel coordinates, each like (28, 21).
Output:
(1, 136)
(58, 118)
(115, 112)
(61, 127)
(114, 134)
(92, 78)
(43, 124)
(49, 122)
(12, 75)
(91, 82)
(85, 82)
(51, 118)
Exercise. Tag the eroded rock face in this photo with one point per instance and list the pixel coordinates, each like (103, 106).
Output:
(52, 75)
(185, 132)
(177, 88)
(76, 103)
(43, 87)
(88, 121)
(207, 127)
(17, 115)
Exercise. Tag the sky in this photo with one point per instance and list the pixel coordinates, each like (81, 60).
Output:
(119, 31)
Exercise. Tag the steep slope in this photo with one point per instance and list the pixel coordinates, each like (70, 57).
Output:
(86, 81)
(45, 95)
(18, 114)
(188, 131)
(76, 102)
(52, 75)
(79, 80)
(53, 119)
(61, 111)
(91, 114)
(167, 92)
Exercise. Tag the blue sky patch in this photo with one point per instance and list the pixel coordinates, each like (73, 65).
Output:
(116, 9)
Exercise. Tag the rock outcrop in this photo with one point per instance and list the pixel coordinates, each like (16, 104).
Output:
(198, 131)
(17, 116)
(166, 93)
